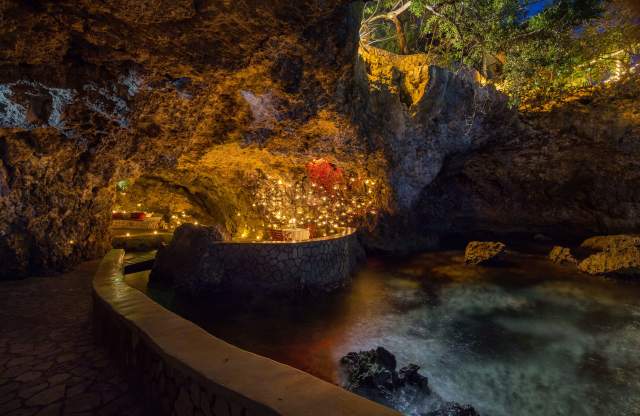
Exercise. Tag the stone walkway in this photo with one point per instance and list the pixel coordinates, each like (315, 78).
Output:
(49, 362)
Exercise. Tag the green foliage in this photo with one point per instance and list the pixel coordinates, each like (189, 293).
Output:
(568, 44)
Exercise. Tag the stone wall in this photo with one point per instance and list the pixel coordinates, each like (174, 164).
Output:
(318, 265)
(185, 371)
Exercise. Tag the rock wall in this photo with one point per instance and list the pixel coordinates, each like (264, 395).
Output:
(257, 268)
(92, 93)
(570, 174)
(206, 96)
(418, 114)
(460, 162)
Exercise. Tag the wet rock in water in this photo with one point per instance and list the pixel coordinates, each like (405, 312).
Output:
(606, 242)
(614, 262)
(453, 409)
(562, 255)
(373, 374)
(410, 375)
(484, 252)
(618, 256)
(185, 263)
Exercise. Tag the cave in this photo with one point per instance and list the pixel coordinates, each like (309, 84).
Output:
(416, 207)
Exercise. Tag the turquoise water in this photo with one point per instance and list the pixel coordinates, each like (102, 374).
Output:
(532, 338)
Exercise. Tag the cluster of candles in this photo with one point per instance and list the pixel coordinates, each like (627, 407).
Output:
(178, 219)
(324, 210)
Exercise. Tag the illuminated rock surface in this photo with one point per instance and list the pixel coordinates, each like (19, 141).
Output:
(197, 101)
(483, 253)
(618, 256)
(562, 255)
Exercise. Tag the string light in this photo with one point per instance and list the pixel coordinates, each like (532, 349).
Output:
(303, 203)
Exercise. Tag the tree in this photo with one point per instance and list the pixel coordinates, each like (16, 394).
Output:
(370, 24)
(530, 47)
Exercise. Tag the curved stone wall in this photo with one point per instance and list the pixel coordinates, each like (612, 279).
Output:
(317, 265)
(186, 371)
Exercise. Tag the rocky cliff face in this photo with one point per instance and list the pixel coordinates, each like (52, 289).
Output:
(92, 93)
(461, 162)
(418, 115)
(193, 100)
(569, 173)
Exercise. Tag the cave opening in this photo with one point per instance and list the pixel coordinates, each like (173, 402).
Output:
(317, 200)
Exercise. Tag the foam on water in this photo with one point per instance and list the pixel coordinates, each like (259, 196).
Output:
(532, 339)
(528, 351)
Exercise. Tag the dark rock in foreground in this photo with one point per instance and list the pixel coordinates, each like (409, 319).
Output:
(372, 374)
(484, 253)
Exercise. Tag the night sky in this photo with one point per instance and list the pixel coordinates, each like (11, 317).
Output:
(535, 8)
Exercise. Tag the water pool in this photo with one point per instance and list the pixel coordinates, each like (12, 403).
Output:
(532, 338)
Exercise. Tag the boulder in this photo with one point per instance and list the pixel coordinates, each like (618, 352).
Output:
(606, 242)
(410, 375)
(373, 374)
(562, 255)
(484, 252)
(186, 264)
(616, 261)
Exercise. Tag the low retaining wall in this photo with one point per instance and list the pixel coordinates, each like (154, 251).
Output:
(284, 267)
(183, 370)
(141, 241)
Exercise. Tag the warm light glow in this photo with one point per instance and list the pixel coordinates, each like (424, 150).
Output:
(323, 201)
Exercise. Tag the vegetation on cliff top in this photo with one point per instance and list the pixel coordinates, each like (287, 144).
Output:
(534, 50)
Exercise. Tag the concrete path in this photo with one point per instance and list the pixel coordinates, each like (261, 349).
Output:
(49, 362)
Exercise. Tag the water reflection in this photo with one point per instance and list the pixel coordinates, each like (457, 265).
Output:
(530, 339)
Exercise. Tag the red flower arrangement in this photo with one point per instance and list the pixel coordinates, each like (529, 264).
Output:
(324, 174)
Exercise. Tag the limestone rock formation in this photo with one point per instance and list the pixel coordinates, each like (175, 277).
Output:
(484, 253)
(568, 173)
(418, 115)
(610, 242)
(562, 255)
(94, 93)
(373, 374)
(616, 260)
(196, 102)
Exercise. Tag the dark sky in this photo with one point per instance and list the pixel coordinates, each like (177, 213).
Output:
(535, 8)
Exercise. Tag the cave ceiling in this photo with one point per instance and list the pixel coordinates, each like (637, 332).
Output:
(192, 101)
